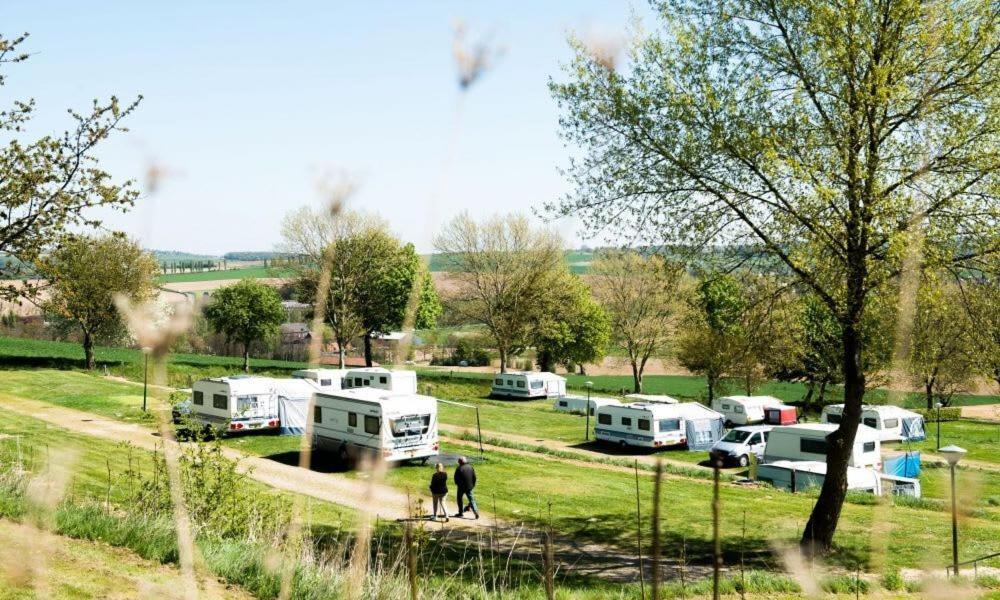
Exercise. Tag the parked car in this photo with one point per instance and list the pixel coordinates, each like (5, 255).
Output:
(737, 445)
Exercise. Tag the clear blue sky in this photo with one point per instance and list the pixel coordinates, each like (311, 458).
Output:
(248, 103)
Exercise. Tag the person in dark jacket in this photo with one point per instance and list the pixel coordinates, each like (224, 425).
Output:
(465, 481)
(439, 489)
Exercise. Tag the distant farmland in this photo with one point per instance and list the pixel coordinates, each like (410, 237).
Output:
(258, 272)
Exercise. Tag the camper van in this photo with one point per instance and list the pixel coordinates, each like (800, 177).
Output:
(578, 404)
(652, 398)
(807, 442)
(327, 379)
(744, 410)
(737, 445)
(528, 385)
(401, 382)
(391, 425)
(652, 425)
(892, 422)
(242, 403)
(796, 476)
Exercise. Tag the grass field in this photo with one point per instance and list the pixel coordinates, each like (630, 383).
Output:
(241, 273)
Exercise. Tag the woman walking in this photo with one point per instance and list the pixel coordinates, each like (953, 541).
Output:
(439, 489)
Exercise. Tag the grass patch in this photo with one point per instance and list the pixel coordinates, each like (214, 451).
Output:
(259, 272)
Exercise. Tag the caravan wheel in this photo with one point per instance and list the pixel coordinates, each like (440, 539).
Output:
(342, 454)
(622, 444)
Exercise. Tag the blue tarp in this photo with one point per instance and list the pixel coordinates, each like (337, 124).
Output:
(904, 465)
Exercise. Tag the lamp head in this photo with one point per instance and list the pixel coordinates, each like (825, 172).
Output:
(938, 405)
(952, 454)
(589, 384)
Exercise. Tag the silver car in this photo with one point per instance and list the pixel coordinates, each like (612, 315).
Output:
(737, 445)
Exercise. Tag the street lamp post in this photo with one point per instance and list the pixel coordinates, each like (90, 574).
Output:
(145, 375)
(586, 434)
(937, 405)
(953, 454)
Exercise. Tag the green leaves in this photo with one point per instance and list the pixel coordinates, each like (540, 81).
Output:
(246, 312)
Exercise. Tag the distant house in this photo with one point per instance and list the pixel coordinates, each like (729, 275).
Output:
(295, 333)
(388, 346)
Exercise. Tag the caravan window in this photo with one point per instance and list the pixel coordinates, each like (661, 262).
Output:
(520, 384)
(245, 404)
(318, 414)
(510, 383)
(358, 382)
(644, 424)
(498, 381)
(536, 385)
(372, 425)
(873, 423)
(890, 423)
(220, 401)
(563, 403)
(198, 398)
(812, 446)
(352, 419)
(627, 421)
(604, 419)
(868, 447)
(833, 418)
(665, 425)
(325, 382)
(412, 425)
(738, 409)
(725, 407)
(383, 379)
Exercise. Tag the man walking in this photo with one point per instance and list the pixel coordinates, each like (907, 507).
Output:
(465, 481)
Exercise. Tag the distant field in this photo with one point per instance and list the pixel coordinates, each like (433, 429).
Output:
(242, 273)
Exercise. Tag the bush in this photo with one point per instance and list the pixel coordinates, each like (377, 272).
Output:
(948, 413)
(893, 581)
(467, 351)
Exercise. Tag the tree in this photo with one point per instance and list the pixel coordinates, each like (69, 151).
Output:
(51, 184)
(981, 299)
(711, 342)
(850, 141)
(503, 270)
(85, 274)
(943, 354)
(639, 294)
(571, 327)
(246, 312)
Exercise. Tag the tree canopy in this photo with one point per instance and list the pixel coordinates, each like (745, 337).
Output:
(246, 312)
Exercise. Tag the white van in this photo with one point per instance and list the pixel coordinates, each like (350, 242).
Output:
(737, 445)
(578, 404)
(744, 410)
(327, 379)
(393, 426)
(807, 442)
(892, 422)
(243, 403)
(402, 382)
(528, 385)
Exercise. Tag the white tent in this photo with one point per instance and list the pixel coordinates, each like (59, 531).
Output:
(293, 403)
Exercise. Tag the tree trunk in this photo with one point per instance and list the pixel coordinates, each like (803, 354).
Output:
(810, 387)
(503, 359)
(88, 350)
(368, 349)
(341, 355)
(711, 388)
(636, 378)
(545, 361)
(822, 393)
(583, 371)
(929, 392)
(246, 357)
(822, 524)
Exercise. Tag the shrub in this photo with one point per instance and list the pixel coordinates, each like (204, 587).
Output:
(893, 581)
(948, 413)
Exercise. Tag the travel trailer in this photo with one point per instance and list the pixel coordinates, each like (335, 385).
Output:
(807, 442)
(528, 385)
(892, 422)
(243, 403)
(391, 425)
(781, 415)
(402, 382)
(327, 379)
(744, 410)
(578, 404)
(651, 398)
(651, 425)
(737, 445)
(796, 476)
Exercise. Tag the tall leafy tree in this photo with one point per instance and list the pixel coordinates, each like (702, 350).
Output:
(943, 359)
(51, 184)
(571, 327)
(712, 340)
(640, 296)
(851, 141)
(246, 312)
(85, 274)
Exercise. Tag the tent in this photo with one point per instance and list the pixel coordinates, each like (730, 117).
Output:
(906, 464)
(704, 425)
(913, 428)
(293, 402)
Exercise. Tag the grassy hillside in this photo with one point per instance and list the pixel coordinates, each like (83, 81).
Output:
(241, 273)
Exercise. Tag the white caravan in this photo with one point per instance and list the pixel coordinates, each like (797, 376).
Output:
(892, 422)
(327, 379)
(796, 476)
(393, 426)
(578, 404)
(242, 403)
(744, 410)
(652, 398)
(401, 382)
(528, 385)
(807, 442)
(640, 424)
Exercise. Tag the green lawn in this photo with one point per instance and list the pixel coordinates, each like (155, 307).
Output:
(241, 273)
(980, 438)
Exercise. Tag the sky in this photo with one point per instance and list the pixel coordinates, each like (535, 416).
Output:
(250, 108)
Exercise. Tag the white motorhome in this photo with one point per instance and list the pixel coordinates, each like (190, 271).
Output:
(393, 426)
(744, 410)
(892, 422)
(401, 382)
(578, 404)
(654, 425)
(327, 379)
(242, 403)
(807, 442)
(528, 385)
(652, 398)
(796, 476)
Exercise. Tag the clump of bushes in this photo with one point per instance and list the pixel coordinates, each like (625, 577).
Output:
(468, 352)
(948, 413)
